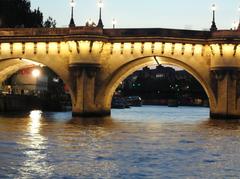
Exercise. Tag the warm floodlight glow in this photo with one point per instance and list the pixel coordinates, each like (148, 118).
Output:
(100, 3)
(72, 3)
(31, 62)
(36, 73)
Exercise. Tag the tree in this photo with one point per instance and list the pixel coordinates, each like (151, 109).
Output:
(18, 13)
(50, 22)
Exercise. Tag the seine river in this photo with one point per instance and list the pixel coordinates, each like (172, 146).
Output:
(145, 142)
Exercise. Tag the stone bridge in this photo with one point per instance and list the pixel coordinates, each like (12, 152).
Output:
(93, 61)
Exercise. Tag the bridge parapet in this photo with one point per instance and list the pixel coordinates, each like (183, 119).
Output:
(227, 34)
(114, 34)
(50, 31)
(157, 32)
(225, 55)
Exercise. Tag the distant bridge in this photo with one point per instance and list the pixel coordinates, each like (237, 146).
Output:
(93, 61)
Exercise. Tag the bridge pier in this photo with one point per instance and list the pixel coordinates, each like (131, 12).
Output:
(226, 87)
(83, 84)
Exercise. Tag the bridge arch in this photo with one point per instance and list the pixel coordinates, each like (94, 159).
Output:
(127, 69)
(9, 66)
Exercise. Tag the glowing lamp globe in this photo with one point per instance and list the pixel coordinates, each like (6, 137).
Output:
(214, 7)
(100, 3)
(72, 3)
(36, 73)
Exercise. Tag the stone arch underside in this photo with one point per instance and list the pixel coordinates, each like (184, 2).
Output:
(11, 65)
(109, 87)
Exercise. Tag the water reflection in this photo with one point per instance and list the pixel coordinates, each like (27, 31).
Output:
(34, 123)
(88, 142)
(146, 142)
(106, 122)
(221, 124)
(34, 147)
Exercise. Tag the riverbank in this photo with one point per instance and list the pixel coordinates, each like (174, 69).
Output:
(174, 102)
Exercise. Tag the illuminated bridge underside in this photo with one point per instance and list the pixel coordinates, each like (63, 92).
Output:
(93, 61)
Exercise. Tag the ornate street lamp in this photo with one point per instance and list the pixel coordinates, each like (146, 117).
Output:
(90, 22)
(114, 22)
(100, 5)
(72, 4)
(213, 27)
(238, 28)
(235, 25)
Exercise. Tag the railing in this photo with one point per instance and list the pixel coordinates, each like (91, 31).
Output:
(92, 32)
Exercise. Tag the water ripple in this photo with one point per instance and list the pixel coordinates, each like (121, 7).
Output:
(146, 142)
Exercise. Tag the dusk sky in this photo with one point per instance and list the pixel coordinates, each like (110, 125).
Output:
(190, 14)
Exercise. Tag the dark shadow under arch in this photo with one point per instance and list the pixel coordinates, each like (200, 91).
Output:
(21, 64)
(124, 71)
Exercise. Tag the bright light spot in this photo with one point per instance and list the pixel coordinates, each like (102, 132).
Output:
(234, 25)
(90, 21)
(35, 123)
(214, 7)
(72, 3)
(36, 73)
(100, 3)
(114, 21)
(56, 80)
(35, 115)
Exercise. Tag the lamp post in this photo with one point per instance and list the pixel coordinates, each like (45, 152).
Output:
(100, 5)
(114, 22)
(234, 25)
(238, 27)
(213, 27)
(90, 22)
(72, 4)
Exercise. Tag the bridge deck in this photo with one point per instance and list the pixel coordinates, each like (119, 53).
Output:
(117, 35)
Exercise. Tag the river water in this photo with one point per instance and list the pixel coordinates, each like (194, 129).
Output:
(145, 142)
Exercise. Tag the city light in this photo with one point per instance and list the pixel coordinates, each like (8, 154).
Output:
(36, 73)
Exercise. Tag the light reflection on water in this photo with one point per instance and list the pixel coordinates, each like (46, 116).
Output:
(146, 142)
(33, 147)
